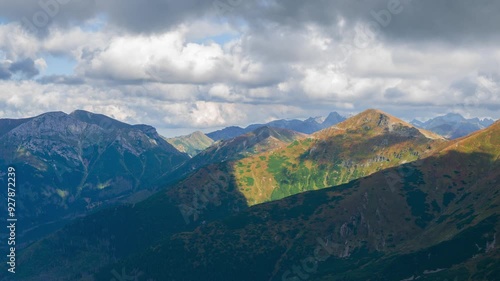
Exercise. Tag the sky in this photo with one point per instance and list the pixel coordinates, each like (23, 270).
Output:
(193, 65)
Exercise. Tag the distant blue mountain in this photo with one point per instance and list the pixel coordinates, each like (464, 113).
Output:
(453, 125)
(308, 126)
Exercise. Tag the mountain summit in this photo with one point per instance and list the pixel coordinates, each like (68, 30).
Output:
(361, 145)
(191, 144)
(374, 121)
(73, 164)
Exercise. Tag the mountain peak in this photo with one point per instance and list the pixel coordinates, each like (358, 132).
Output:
(333, 119)
(100, 120)
(333, 115)
(374, 117)
(454, 114)
(53, 114)
(198, 134)
(374, 122)
(317, 119)
(191, 144)
(265, 132)
(454, 117)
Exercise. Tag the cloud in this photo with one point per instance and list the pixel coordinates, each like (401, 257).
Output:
(180, 64)
(410, 21)
(61, 79)
(170, 58)
(4, 71)
(407, 20)
(25, 68)
(135, 16)
(393, 93)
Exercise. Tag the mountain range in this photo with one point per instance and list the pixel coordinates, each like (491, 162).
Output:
(308, 126)
(368, 198)
(432, 219)
(258, 141)
(71, 164)
(453, 125)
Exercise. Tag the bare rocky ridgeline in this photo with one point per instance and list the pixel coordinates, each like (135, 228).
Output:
(69, 164)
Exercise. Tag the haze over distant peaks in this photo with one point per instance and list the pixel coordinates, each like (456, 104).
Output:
(453, 125)
(308, 126)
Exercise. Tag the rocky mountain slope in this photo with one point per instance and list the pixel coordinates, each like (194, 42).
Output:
(7, 125)
(70, 165)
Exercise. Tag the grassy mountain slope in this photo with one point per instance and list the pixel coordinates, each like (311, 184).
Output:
(357, 147)
(217, 191)
(258, 141)
(432, 219)
(191, 144)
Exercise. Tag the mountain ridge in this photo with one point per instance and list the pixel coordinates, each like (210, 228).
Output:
(307, 126)
(260, 140)
(444, 221)
(70, 167)
(453, 125)
(220, 190)
(191, 144)
(357, 147)
(380, 163)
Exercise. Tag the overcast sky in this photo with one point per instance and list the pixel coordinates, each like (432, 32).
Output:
(196, 64)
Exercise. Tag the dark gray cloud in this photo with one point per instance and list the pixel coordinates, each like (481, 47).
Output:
(454, 21)
(133, 15)
(283, 58)
(154, 15)
(394, 93)
(5, 74)
(37, 16)
(26, 68)
(408, 20)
